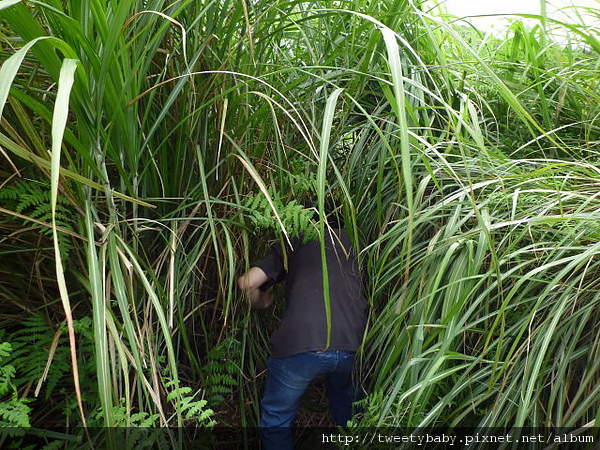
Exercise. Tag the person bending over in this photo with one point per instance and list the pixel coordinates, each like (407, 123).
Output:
(299, 346)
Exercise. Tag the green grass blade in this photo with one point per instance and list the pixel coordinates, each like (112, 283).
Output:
(61, 112)
(321, 192)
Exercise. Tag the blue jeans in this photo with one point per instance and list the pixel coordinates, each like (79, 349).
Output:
(288, 378)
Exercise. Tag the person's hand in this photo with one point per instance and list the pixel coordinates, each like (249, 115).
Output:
(250, 284)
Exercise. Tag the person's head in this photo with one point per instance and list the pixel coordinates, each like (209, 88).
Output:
(333, 212)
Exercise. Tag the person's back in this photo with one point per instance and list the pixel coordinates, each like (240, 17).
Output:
(304, 324)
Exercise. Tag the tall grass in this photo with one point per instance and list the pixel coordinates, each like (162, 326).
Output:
(465, 165)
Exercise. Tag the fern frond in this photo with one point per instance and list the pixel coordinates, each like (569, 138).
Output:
(14, 413)
(150, 421)
(5, 350)
(182, 391)
(32, 199)
(30, 349)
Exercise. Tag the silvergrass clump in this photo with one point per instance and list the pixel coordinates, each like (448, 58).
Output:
(464, 165)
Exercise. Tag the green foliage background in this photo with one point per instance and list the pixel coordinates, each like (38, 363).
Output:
(195, 132)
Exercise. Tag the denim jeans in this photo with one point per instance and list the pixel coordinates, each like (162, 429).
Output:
(288, 378)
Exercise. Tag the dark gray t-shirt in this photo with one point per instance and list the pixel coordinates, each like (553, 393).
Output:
(304, 324)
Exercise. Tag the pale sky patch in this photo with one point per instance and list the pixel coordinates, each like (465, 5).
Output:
(464, 8)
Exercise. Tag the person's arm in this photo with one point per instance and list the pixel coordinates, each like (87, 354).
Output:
(250, 284)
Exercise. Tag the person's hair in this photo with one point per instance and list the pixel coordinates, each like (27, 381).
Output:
(333, 212)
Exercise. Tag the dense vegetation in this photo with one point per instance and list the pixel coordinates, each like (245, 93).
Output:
(151, 150)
